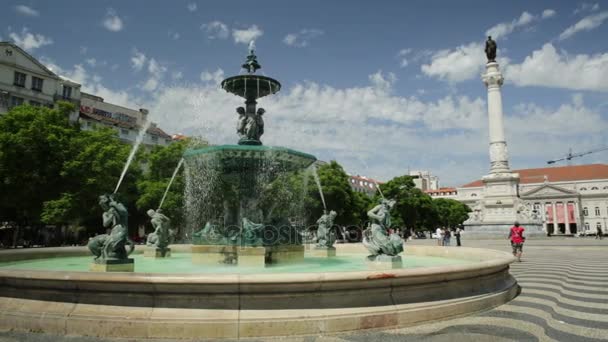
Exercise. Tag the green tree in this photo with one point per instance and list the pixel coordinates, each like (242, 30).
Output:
(350, 206)
(451, 213)
(413, 208)
(96, 162)
(35, 143)
(160, 164)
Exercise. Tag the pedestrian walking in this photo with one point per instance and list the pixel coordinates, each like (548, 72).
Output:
(446, 236)
(439, 233)
(598, 233)
(516, 236)
(457, 235)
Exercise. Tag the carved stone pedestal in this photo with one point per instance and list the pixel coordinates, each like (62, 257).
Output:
(285, 254)
(214, 254)
(155, 252)
(251, 256)
(385, 262)
(126, 265)
(248, 256)
(323, 252)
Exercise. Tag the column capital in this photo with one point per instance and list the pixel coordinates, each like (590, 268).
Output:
(492, 78)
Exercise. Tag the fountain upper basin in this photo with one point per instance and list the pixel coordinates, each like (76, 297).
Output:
(251, 86)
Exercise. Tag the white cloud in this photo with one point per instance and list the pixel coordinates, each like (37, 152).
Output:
(29, 41)
(548, 13)
(586, 24)
(91, 61)
(456, 65)
(138, 60)
(403, 56)
(112, 21)
(302, 38)
(502, 30)
(216, 30)
(247, 35)
(216, 76)
(381, 81)
(586, 7)
(92, 84)
(27, 11)
(173, 35)
(192, 7)
(177, 75)
(548, 68)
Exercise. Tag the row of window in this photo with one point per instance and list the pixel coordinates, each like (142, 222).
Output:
(597, 211)
(18, 101)
(20, 79)
(125, 131)
(37, 82)
(594, 188)
(597, 225)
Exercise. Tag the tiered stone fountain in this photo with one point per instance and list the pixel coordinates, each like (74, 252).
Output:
(224, 186)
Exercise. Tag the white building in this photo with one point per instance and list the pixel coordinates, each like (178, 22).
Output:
(24, 80)
(570, 199)
(94, 112)
(424, 180)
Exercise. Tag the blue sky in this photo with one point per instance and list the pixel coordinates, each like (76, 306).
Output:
(379, 86)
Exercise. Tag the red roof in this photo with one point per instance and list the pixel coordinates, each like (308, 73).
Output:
(124, 124)
(441, 190)
(557, 174)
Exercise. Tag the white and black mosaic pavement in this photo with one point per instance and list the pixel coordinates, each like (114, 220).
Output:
(564, 298)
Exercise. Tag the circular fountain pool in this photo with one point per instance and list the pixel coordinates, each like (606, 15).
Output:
(49, 290)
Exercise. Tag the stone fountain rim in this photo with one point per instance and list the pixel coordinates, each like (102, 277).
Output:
(498, 260)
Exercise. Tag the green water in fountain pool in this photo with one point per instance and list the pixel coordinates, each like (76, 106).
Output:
(182, 263)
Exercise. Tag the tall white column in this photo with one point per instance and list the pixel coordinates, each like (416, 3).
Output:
(499, 156)
(580, 227)
(555, 225)
(567, 218)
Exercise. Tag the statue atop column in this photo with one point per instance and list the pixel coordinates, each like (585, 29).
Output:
(491, 49)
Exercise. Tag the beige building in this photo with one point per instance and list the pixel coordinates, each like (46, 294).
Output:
(569, 199)
(424, 180)
(94, 112)
(24, 80)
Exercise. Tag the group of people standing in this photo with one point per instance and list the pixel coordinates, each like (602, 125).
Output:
(444, 236)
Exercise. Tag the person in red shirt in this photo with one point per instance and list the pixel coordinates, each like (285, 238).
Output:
(516, 235)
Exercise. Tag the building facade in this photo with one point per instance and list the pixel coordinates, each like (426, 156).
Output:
(24, 80)
(569, 199)
(424, 180)
(94, 113)
(451, 193)
(364, 185)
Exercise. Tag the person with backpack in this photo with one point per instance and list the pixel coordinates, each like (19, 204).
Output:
(516, 235)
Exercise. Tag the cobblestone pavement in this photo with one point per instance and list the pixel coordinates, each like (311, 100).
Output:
(564, 298)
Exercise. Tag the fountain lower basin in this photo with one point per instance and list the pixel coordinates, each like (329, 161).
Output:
(214, 305)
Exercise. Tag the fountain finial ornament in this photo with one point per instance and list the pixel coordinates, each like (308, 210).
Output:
(491, 49)
(251, 64)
